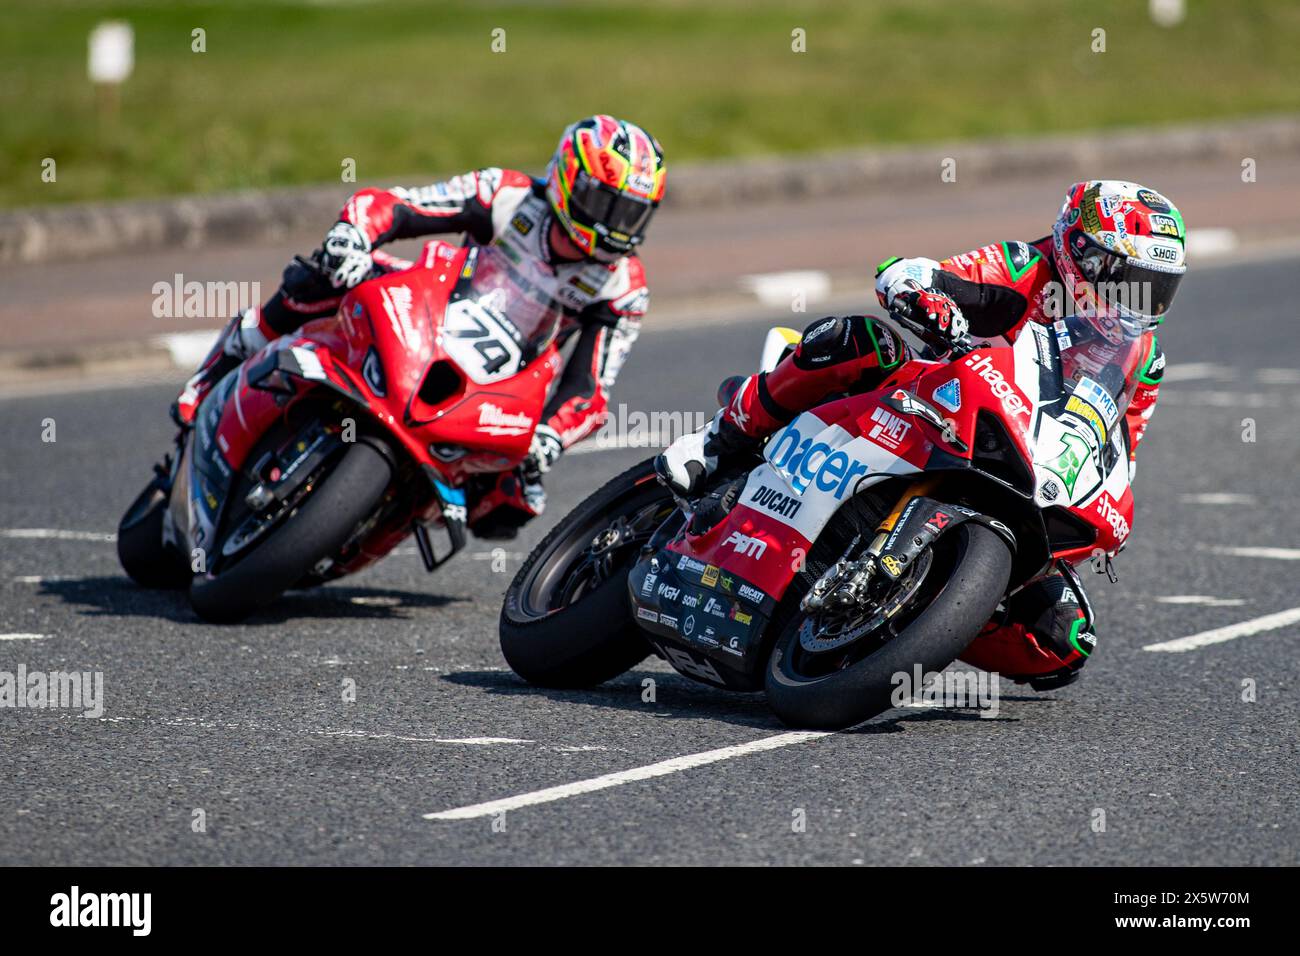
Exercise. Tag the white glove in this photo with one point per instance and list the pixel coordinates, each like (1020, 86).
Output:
(545, 450)
(904, 275)
(347, 255)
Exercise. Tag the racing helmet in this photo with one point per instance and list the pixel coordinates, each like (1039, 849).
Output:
(604, 183)
(1119, 250)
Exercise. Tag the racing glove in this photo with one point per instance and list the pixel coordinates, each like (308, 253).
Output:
(346, 255)
(936, 311)
(544, 452)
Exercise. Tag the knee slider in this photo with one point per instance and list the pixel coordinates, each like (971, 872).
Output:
(826, 342)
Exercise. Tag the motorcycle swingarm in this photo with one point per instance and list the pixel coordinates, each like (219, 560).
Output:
(921, 522)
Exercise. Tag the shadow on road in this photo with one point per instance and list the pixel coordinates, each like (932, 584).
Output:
(677, 698)
(113, 596)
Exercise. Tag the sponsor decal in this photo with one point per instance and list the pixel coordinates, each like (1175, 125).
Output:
(776, 502)
(725, 582)
(709, 576)
(715, 607)
(1012, 402)
(751, 594)
(691, 600)
(948, 395)
(1063, 340)
(808, 463)
(937, 522)
(890, 430)
(688, 625)
(1163, 253)
(492, 420)
(1050, 490)
(667, 620)
(1165, 226)
(523, 225)
(397, 304)
(1153, 201)
(668, 593)
(739, 616)
(1070, 461)
(646, 614)
(1111, 514)
(1081, 409)
(743, 544)
(649, 582)
(891, 565)
(687, 563)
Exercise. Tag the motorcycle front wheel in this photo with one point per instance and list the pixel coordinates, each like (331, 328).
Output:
(834, 685)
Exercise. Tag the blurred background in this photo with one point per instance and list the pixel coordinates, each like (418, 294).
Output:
(287, 88)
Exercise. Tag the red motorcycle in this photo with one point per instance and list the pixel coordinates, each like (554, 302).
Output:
(404, 414)
(877, 532)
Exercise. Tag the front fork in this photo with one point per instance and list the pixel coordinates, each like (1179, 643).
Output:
(845, 583)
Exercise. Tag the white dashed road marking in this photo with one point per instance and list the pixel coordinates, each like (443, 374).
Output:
(23, 637)
(1202, 599)
(1218, 498)
(1276, 554)
(661, 769)
(1269, 622)
(56, 534)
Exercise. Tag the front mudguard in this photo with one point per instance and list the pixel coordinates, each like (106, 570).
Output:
(922, 522)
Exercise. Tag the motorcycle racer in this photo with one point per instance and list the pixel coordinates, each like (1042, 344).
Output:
(581, 224)
(1102, 280)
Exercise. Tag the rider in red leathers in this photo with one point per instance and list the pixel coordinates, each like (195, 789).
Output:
(1109, 234)
(582, 223)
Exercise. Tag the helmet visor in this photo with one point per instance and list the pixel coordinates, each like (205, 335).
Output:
(600, 205)
(1135, 291)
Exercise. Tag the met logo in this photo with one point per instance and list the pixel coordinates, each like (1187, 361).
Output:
(811, 464)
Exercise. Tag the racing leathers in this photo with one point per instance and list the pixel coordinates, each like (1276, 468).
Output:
(602, 304)
(1042, 634)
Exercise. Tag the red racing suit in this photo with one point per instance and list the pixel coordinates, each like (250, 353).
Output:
(602, 303)
(999, 289)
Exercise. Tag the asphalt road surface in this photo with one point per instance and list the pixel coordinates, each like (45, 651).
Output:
(234, 745)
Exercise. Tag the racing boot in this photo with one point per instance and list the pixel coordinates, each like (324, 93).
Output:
(1042, 638)
(688, 463)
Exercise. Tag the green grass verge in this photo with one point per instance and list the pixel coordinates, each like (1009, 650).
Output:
(287, 90)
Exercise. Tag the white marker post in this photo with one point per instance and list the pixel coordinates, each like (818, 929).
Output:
(110, 61)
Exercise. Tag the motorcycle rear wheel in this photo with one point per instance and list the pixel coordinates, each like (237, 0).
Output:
(566, 620)
(141, 551)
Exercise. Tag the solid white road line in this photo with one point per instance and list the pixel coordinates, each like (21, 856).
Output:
(1269, 622)
(661, 769)
(23, 637)
(778, 289)
(1207, 242)
(1277, 554)
(56, 534)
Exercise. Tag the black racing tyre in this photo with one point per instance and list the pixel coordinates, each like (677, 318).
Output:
(561, 629)
(140, 548)
(321, 524)
(972, 566)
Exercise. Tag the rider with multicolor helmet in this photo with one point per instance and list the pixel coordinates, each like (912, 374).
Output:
(1103, 281)
(580, 226)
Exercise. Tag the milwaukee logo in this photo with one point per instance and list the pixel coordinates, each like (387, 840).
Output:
(982, 366)
(494, 421)
(397, 303)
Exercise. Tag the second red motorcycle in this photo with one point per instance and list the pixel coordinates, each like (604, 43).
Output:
(321, 453)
